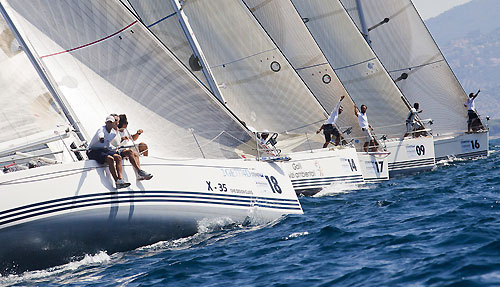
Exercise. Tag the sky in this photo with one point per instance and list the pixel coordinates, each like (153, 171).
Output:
(431, 8)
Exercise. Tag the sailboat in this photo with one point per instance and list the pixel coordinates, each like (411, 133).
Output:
(280, 20)
(250, 75)
(367, 82)
(395, 31)
(96, 58)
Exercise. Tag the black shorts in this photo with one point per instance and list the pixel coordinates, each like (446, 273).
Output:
(472, 115)
(328, 131)
(100, 154)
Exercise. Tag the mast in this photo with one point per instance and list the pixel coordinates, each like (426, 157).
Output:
(364, 28)
(42, 74)
(195, 46)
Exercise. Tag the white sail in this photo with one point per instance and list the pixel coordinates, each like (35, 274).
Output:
(356, 65)
(160, 17)
(254, 78)
(27, 106)
(104, 61)
(405, 46)
(284, 25)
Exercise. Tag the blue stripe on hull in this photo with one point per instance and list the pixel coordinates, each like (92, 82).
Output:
(101, 199)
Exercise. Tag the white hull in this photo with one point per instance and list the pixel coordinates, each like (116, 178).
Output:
(375, 166)
(311, 171)
(469, 146)
(50, 214)
(410, 155)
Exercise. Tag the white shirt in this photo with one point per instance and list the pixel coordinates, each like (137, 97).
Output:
(410, 118)
(363, 121)
(108, 138)
(333, 116)
(122, 134)
(470, 104)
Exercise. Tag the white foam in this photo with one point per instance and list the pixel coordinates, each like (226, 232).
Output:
(99, 258)
(341, 188)
(296, 234)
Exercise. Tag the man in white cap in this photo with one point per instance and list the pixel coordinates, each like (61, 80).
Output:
(102, 151)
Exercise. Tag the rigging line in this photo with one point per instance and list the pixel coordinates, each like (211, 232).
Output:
(89, 44)
(301, 127)
(161, 20)
(312, 66)
(414, 67)
(237, 60)
(359, 63)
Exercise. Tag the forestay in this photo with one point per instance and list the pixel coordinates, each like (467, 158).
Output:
(356, 65)
(254, 78)
(406, 48)
(282, 22)
(105, 61)
(27, 107)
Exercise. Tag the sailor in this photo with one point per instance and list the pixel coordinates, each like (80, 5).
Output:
(329, 127)
(411, 118)
(101, 150)
(474, 120)
(126, 140)
(263, 136)
(365, 127)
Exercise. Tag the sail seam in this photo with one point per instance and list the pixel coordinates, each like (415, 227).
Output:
(418, 66)
(89, 44)
(312, 66)
(241, 59)
(359, 63)
(161, 20)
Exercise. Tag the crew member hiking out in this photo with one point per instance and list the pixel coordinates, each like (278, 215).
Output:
(366, 128)
(474, 122)
(411, 119)
(102, 151)
(329, 128)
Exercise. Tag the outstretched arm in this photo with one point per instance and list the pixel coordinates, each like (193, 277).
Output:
(476, 94)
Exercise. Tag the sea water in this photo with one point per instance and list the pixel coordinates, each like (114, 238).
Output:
(439, 228)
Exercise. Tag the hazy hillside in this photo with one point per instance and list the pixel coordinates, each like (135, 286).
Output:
(469, 36)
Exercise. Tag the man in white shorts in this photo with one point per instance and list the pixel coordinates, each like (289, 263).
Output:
(366, 128)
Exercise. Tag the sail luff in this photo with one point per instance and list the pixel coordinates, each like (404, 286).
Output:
(44, 76)
(197, 50)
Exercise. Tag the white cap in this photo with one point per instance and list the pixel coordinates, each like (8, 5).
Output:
(110, 119)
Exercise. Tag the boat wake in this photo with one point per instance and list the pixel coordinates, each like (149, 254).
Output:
(63, 272)
(340, 188)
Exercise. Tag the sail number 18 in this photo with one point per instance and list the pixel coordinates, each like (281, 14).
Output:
(273, 182)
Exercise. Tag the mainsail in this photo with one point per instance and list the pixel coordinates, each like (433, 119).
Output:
(161, 18)
(356, 65)
(414, 61)
(104, 61)
(27, 106)
(254, 78)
